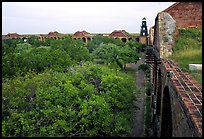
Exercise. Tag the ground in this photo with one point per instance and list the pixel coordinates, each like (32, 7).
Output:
(138, 125)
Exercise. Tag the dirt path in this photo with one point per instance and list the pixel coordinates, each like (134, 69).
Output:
(138, 125)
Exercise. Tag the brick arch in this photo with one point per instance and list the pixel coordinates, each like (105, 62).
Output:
(88, 39)
(84, 39)
(124, 39)
(166, 114)
(129, 39)
(159, 90)
(137, 39)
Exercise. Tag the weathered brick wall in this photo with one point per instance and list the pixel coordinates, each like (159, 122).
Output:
(181, 126)
(185, 105)
(186, 14)
(117, 34)
(165, 26)
(180, 14)
(180, 122)
(78, 35)
(184, 123)
(151, 35)
(143, 40)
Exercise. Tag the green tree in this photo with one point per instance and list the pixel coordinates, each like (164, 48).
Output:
(33, 40)
(89, 100)
(113, 54)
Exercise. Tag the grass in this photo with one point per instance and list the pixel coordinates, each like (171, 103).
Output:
(148, 115)
(189, 56)
(188, 50)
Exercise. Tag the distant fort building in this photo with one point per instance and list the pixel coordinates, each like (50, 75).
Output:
(86, 36)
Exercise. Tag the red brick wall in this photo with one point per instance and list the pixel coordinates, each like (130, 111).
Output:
(78, 35)
(13, 35)
(186, 14)
(143, 40)
(117, 34)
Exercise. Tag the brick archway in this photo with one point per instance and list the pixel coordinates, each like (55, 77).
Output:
(166, 115)
(88, 38)
(124, 39)
(137, 39)
(129, 39)
(159, 90)
(84, 39)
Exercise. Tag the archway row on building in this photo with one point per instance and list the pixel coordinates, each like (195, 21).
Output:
(87, 39)
(81, 35)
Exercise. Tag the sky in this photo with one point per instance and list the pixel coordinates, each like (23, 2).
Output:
(69, 17)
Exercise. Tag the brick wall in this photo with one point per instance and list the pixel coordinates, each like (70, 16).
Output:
(151, 35)
(165, 27)
(186, 14)
(186, 118)
(143, 40)
(117, 34)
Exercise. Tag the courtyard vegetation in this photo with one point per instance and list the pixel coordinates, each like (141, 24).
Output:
(66, 88)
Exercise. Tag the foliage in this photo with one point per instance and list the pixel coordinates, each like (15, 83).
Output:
(89, 100)
(33, 40)
(98, 39)
(191, 33)
(148, 117)
(75, 48)
(146, 69)
(113, 54)
(188, 49)
(34, 59)
(22, 57)
(51, 88)
(148, 88)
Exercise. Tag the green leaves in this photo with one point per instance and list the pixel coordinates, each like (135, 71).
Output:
(57, 91)
(62, 105)
(113, 54)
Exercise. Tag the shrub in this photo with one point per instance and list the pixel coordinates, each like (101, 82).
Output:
(90, 100)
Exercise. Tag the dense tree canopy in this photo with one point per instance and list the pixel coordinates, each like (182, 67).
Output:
(55, 88)
(90, 100)
(113, 54)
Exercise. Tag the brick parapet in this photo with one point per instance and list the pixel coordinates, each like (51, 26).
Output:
(189, 93)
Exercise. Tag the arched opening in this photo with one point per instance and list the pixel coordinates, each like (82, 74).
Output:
(158, 108)
(74, 38)
(124, 39)
(130, 39)
(25, 39)
(166, 119)
(84, 39)
(116, 38)
(88, 39)
(137, 39)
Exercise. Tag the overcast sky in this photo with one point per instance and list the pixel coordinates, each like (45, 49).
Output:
(69, 17)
